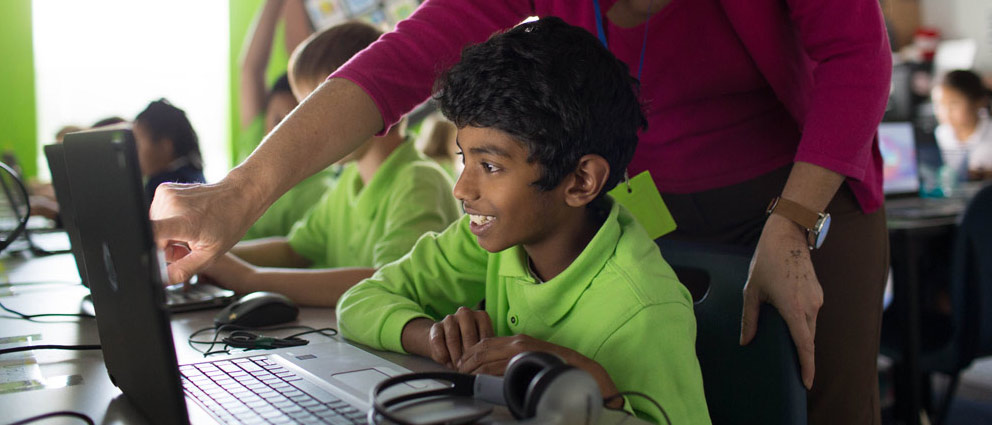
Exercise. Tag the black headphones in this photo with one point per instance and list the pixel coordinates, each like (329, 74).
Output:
(537, 386)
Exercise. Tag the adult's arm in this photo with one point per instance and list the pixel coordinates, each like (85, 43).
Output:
(847, 41)
(375, 88)
(256, 58)
(210, 218)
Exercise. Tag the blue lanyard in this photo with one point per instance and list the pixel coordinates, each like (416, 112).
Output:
(601, 33)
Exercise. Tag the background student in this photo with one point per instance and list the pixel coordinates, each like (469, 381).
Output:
(387, 197)
(964, 134)
(261, 107)
(749, 118)
(168, 148)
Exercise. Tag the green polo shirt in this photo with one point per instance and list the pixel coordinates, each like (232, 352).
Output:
(292, 206)
(357, 225)
(619, 303)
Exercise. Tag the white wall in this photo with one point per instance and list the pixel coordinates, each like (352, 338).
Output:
(963, 19)
(100, 58)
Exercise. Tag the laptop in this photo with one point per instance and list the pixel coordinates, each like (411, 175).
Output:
(178, 298)
(318, 383)
(901, 177)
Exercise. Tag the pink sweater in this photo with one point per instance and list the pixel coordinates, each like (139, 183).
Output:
(733, 89)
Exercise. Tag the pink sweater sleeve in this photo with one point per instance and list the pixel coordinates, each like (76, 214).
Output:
(399, 69)
(847, 41)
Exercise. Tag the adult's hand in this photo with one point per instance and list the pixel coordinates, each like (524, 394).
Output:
(781, 271)
(209, 218)
(329, 124)
(782, 274)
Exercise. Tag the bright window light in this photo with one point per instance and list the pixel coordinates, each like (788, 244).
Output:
(101, 58)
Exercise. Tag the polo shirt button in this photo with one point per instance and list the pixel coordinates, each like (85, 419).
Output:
(513, 320)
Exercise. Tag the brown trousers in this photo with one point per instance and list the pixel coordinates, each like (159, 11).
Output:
(851, 266)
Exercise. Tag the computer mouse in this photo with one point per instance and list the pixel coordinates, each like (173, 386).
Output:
(258, 309)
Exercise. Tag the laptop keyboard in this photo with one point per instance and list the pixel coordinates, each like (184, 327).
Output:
(256, 390)
(194, 293)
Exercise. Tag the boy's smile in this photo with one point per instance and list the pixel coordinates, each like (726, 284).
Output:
(497, 191)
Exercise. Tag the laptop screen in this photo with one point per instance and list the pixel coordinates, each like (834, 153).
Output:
(899, 166)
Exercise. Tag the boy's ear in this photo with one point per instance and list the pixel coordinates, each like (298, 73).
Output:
(588, 179)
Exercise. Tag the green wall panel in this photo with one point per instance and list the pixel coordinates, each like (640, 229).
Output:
(18, 123)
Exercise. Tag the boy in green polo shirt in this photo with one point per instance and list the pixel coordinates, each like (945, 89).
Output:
(547, 122)
(387, 196)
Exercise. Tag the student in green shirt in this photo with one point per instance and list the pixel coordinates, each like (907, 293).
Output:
(547, 122)
(261, 109)
(388, 195)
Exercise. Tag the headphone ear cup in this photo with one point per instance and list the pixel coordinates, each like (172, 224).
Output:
(564, 394)
(521, 370)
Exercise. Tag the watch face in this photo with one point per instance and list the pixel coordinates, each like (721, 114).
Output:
(823, 231)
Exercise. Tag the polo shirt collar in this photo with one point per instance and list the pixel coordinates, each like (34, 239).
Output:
(553, 299)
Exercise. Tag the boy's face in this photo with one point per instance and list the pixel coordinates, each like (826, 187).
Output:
(497, 192)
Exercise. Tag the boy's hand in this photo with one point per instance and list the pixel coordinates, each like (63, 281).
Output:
(453, 335)
(230, 272)
(491, 355)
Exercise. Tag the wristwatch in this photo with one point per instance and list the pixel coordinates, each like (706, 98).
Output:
(816, 223)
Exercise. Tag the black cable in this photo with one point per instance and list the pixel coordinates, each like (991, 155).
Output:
(22, 221)
(33, 316)
(85, 418)
(644, 396)
(251, 340)
(49, 347)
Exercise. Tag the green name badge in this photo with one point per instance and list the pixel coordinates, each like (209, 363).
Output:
(642, 199)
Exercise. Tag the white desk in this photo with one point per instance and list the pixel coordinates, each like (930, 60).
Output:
(95, 395)
(92, 393)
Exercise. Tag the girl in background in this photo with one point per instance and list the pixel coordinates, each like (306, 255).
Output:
(965, 132)
(168, 148)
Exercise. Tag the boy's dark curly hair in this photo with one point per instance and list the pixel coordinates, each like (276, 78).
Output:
(554, 88)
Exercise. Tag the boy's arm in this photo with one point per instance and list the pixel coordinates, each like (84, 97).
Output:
(270, 252)
(491, 356)
(654, 353)
(318, 288)
(255, 60)
(298, 25)
(442, 272)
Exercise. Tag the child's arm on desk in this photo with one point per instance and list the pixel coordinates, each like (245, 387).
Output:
(270, 252)
(311, 287)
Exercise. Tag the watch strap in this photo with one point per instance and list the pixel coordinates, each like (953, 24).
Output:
(795, 212)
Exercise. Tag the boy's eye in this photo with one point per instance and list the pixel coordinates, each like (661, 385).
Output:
(490, 168)
(462, 155)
